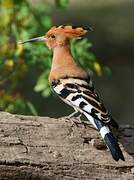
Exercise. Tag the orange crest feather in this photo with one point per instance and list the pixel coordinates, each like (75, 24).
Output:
(68, 31)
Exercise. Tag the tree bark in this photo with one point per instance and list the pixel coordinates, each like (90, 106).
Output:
(43, 148)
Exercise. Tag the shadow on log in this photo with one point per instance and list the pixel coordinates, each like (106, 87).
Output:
(43, 148)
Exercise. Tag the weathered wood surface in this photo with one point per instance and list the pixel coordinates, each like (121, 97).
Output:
(42, 148)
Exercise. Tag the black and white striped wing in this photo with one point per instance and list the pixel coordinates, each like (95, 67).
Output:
(79, 94)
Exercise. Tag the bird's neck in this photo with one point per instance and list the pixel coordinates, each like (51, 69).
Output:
(63, 64)
(62, 57)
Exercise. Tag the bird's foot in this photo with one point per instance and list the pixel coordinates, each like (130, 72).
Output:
(75, 119)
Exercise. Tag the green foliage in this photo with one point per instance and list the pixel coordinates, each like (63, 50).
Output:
(81, 51)
(14, 103)
(42, 84)
(62, 3)
(20, 20)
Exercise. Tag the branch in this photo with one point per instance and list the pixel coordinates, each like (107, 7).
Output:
(48, 148)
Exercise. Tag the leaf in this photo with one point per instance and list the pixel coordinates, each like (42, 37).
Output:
(4, 17)
(97, 68)
(9, 63)
(107, 70)
(81, 52)
(46, 92)
(32, 108)
(42, 8)
(42, 82)
(24, 11)
(46, 21)
(62, 3)
(24, 34)
(7, 3)
(40, 86)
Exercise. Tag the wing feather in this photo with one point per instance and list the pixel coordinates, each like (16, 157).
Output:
(80, 94)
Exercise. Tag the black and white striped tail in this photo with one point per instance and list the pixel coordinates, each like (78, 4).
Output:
(109, 139)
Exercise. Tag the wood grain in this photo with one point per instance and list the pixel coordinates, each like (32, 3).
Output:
(43, 148)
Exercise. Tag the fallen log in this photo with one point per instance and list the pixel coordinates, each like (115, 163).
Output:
(43, 148)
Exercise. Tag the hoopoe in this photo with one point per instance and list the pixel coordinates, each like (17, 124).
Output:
(74, 86)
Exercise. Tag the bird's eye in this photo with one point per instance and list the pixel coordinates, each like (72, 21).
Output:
(53, 36)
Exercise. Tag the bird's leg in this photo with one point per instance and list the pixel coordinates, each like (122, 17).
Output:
(77, 119)
(76, 115)
(72, 114)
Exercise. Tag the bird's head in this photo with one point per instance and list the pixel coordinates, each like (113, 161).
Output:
(60, 36)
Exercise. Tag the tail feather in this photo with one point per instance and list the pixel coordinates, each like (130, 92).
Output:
(108, 137)
(110, 141)
(113, 146)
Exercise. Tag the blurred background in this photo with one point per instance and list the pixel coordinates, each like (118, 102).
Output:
(107, 52)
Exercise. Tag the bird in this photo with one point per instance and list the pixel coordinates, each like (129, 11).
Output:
(74, 85)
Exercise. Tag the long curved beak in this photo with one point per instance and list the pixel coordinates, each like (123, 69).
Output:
(41, 38)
